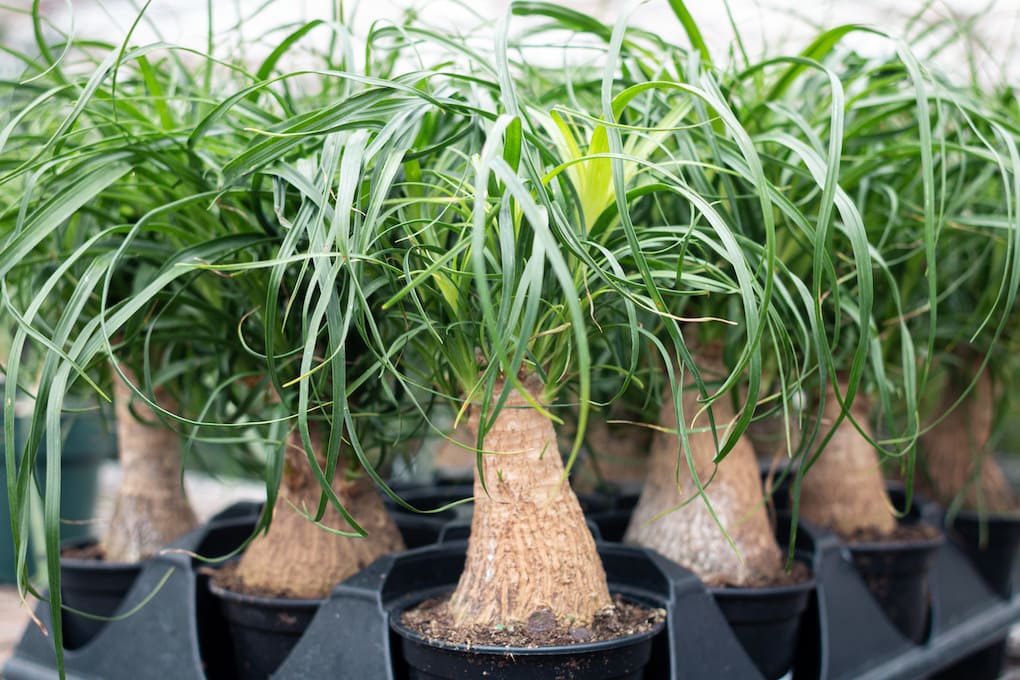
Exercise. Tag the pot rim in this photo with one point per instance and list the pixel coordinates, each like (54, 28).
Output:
(497, 650)
(752, 592)
(79, 563)
(901, 545)
(764, 593)
(263, 601)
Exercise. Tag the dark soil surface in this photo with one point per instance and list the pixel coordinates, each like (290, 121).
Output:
(432, 620)
(800, 573)
(90, 552)
(904, 532)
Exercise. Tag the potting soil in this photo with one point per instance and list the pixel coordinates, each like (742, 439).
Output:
(433, 621)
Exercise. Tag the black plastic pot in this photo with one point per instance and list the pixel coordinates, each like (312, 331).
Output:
(621, 659)
(610, 513)
(695, 642)
(419, 528)
(995, 557)
(896, 573)
(93, 587)
(178, 631)
(767, 622)
(87, 442)
(263, 630)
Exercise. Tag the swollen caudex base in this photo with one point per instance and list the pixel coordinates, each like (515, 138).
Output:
(150, 509)
(844, 489)
(955, 457)
(143, 524)
(530, 549)
(299, 559)
(689, 535)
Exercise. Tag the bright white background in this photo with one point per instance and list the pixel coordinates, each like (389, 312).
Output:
(775, 25)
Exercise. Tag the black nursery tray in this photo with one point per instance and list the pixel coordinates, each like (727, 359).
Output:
(368, 650)
(179, 633)
(858, 641)
(847, 635)
(166, 638)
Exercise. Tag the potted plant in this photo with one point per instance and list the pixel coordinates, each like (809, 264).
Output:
(972, 336)
(958, 470)
(883, 236)
(531, 561)
(487, 281)
(702, 503)
(727, 538)
(115, 208)
(321, 377)
(486, 232)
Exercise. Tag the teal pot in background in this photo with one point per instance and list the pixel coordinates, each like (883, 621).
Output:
(89, 438)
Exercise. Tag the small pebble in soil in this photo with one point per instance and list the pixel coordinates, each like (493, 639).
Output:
(580, 634)
(608, 618)
(541, 621)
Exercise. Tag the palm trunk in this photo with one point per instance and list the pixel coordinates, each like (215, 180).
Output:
(689, 535)
(150, 509)
(955, 455)
(844, 490)
(530, 549)
(297, 558)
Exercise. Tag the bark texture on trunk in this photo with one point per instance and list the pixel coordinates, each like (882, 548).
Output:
(689, 535)
(529, 547)
(844, 490)
(298, 559)
(150, 508)
(955, 458)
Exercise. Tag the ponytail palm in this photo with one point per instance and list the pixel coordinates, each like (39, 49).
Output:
(974, 331)
(195, 244)
(823, 240)
(491, 311)
(898, 135)
(308, 327)
(563, 224)
(112, 207)
(934, 176)
(702, 502)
